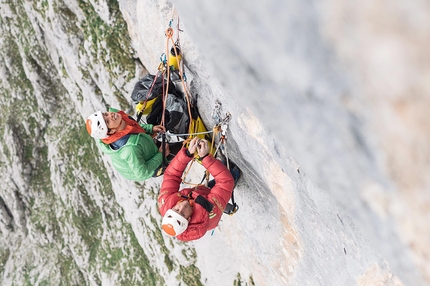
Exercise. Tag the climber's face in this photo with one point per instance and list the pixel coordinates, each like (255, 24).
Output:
(184, 208)
(113, 121)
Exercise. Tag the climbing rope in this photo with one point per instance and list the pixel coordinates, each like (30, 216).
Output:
(179, 63)
(142, 105)
(171, 60)
(219, 130)
(215, 131)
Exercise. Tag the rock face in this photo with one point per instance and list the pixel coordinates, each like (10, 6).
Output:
(329, 125)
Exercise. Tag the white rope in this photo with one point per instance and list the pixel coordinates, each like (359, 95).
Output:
(185, 134)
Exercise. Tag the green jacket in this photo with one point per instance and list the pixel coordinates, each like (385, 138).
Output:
(138, 159)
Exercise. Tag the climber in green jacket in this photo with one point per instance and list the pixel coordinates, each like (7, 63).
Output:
(133, 151)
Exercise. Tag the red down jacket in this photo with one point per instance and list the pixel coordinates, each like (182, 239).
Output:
(201, 220)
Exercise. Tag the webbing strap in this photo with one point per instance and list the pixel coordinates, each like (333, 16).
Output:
(207, 205)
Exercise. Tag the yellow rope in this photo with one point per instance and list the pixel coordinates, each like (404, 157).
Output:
(216, 130)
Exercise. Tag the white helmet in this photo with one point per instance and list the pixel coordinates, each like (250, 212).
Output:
(173, 223)
(96, 126)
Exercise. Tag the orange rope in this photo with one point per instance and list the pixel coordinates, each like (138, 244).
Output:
(169, 38)
(145, 102)
(181, 74)
(169, 34)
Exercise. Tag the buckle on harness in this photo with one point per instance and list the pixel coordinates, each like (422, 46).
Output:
(231, 209)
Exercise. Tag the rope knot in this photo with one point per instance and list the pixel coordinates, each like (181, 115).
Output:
(169, 32)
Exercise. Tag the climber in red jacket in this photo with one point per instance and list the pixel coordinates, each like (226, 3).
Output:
(189, 213)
